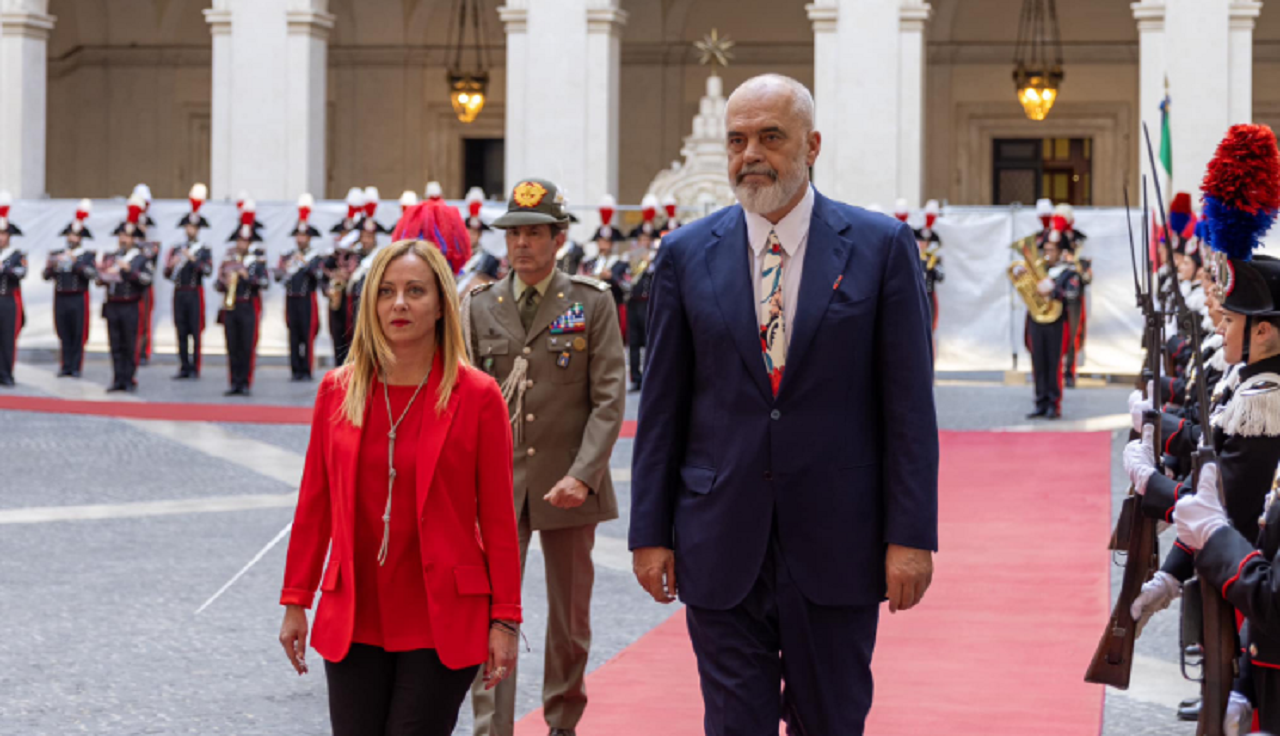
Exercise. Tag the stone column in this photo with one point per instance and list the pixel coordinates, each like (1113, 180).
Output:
(563, 66)
(869, 90)
(1244, 13)
(24, 39)
(1152, 76)
(1197, 58)
(268, 118)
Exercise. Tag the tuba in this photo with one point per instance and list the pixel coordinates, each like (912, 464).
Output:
(1026, 275)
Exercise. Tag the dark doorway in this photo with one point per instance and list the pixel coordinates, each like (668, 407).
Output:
(483, 166)
(1026, 169)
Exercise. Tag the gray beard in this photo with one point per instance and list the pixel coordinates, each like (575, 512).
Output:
(773, 197)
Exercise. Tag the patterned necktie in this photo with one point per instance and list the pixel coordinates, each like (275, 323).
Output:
(528, 307)
(773, 324)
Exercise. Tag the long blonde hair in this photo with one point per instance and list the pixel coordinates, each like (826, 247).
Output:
(370, 350)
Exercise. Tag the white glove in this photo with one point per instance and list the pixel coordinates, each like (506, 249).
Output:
(1157, 593)
(1045, 286)
(1140, 459)
(1239, 717)
(1200, 515)
(1138, 405)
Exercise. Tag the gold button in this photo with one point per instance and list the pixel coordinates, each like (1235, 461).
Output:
(531, 452)
(528, 417)
(526, 351)
(1253, 650)
(528, 383)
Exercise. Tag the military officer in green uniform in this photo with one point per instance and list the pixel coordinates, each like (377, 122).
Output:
(552, 342)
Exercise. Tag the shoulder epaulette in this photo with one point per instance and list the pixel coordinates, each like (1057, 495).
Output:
(481, 287)
(1254, 409)
(588, 281)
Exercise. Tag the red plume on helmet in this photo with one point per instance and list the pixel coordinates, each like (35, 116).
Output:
(649, 208)
(370, 201)
(607, 205)
(197, 196)
(5, 199)
(1060, 224)
(475, 201)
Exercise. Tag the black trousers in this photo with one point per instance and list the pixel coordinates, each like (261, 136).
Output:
(303, 320)
(188, 320)
(241, 326)
(777, 637)
(1073, 311)
(124, 333)
(637, 336)
(1045, 343)
(338, 332)
(373, 692)
(71, 321)
(10, 324)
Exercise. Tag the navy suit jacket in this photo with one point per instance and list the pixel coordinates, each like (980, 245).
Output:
(845, 458)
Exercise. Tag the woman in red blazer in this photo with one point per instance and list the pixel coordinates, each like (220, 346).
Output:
(407, 486)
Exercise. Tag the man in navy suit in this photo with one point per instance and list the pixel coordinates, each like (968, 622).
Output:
(786, 460)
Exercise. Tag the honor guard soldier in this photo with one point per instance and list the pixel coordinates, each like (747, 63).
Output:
(552, 342)
(931, 256)
(476, 227)
(367, 246)
(151, 248)
(72, 270)
(642, 254)
(301, 272)
(1044, 339)
(338, 267)
(609, 266)
(1070, 241)
(241, 279)
(188, 264)
(673, 211)
(126, 273)
(13, 269)
(901, 212)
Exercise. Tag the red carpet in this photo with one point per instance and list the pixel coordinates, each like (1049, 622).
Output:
(156, 410)
(1001, 642)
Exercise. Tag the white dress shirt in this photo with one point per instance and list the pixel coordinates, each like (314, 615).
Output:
(793, 233)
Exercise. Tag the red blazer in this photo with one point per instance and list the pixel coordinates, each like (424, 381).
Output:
(467, 522)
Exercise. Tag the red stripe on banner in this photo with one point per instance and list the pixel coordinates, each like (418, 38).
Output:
(257, 319)
(976, 645)
(161, 411)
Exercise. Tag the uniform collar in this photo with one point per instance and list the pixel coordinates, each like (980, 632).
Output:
(519, 287)
(791, 230)
(1266, 365)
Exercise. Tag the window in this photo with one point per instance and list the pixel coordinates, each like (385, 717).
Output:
(1026, 169)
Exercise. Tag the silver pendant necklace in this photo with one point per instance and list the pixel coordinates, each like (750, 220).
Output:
(391, 460)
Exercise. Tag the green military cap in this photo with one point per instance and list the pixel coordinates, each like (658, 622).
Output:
(534, 202)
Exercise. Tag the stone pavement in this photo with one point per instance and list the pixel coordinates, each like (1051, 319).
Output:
(102, 635)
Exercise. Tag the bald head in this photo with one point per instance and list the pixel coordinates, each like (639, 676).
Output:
(780, 93)
(771, 144)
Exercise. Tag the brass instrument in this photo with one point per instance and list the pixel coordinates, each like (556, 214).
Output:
(1026, 276)
(233, 284)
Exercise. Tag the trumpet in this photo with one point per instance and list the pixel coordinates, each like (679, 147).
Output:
(233, 283)
(1026, 276)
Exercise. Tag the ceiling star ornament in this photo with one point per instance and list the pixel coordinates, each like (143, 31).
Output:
(715, 50)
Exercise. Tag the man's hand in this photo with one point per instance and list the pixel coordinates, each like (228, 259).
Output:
(908, 572)
(655, 569)
(1138, 405)
(1157, 593)
(569, 493)
(1200, 515)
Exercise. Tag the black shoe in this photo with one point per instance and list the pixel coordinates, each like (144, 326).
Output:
(1053, 414)
(64, 373)
(297, 378)
(1190, 713)
(75, 374)
(635, 388)
(561, 732)
(1069, 381)
(132, 387)
(114, 388)
(180, 376)
(234, 391)
(1038, 414)
(7, 382)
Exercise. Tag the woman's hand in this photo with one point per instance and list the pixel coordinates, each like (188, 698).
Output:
(502, 656)
(293, 637)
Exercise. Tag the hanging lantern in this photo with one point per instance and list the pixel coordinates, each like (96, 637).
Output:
(468, 90)
(1037, 70)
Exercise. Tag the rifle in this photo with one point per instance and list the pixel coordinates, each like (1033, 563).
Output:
(1219, 635)
(1135, 533)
